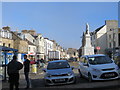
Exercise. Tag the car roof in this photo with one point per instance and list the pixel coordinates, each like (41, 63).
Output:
(58, 61)
(95, 55)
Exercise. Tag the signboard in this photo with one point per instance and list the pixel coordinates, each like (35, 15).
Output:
(98, 48)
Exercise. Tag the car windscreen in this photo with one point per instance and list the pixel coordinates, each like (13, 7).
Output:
(58, 65)
(99, 60)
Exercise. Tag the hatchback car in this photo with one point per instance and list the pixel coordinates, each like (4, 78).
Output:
(98, 67)
(59, 72)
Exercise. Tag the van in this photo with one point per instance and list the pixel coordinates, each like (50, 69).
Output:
(98, 67)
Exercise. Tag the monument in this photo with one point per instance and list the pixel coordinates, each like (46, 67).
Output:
(87, 48)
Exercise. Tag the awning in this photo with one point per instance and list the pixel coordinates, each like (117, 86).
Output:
(7, 49)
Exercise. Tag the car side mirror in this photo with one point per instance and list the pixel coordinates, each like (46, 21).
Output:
(44, 69)
(72, 67)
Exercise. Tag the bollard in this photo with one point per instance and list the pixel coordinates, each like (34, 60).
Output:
(34, 68)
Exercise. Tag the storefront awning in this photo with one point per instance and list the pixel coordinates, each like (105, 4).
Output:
(7, 49)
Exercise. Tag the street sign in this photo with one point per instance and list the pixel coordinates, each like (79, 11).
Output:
(98, 48)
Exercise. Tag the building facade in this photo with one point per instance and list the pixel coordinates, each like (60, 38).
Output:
(106, 37)
(98, 36)
(40, 52)
(6, 38)
(48, 46)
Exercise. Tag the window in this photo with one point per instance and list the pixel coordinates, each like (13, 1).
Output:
(29, 49)
(94, 36)
(74, 53)
(58, 65)
(113, 35)
(119, 39)
(3, 44)
(109, 36)
(8, 45)
(99, 60)
(114, 44)
(110, 45)
(85, 60)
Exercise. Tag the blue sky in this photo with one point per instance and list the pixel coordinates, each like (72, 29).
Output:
(61, 21)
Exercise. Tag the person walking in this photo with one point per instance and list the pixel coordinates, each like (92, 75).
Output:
(13, 68)
(26, 70)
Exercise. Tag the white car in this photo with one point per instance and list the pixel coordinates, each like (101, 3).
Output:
(59, 72)
(98, 67)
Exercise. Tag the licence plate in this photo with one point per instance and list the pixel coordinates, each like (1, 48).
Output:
(109, 75)
(59, 80)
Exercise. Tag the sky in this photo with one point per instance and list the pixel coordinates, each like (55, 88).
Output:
(64, 22)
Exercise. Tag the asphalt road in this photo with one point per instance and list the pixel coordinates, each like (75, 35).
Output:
(37, 81)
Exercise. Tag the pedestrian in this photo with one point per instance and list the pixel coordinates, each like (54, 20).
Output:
(26, 70)
(13, 68)
(43, 62)
(38, 63)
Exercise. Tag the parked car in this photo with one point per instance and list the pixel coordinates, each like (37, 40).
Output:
(116, 57)
(98, 67)
(59, 72)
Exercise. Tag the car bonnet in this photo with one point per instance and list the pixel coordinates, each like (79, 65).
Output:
(59, 71)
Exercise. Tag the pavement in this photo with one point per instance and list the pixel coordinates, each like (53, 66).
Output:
(22, 83)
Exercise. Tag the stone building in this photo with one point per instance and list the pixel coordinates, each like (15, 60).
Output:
(32, 32)
(109, 34)
(48, 46)
(31, 48)
(72, 52)
(98, 36)
(20, 44)
(6, 37)
(40, 51)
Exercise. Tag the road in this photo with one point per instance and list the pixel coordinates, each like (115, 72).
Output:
(37, 81)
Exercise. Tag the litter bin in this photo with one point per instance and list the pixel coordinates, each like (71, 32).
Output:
(34, 68)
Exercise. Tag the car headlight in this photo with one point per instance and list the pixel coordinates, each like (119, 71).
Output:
(70, 73)
(117, 67)
(96, 70)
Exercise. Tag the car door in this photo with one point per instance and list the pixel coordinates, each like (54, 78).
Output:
(86, 67)
(81, 65)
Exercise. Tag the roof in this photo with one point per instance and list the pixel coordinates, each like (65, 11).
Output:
(99, 28)
(57, 61)
(95, 55)
(7, 49)
(30, 43)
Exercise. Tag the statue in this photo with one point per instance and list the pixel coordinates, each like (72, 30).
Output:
(87, 28)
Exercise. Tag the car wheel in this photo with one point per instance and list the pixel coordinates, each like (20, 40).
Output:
(89, 77)
(74, 80)
(80, 73)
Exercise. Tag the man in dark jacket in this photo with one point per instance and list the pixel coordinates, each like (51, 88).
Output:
(26, 70)
(13, 72)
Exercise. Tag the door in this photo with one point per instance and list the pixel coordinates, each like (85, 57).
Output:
(86, 67)
(82, 65)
